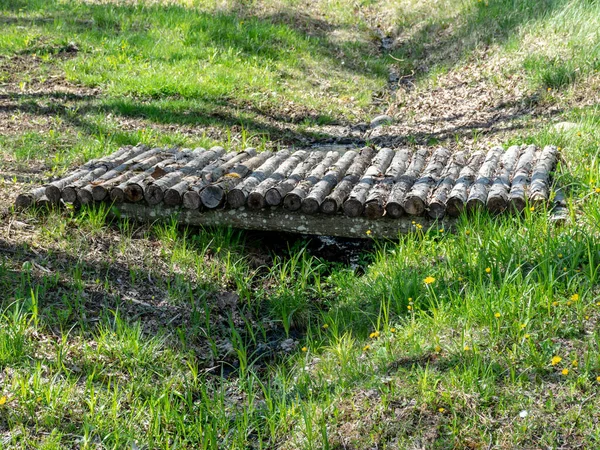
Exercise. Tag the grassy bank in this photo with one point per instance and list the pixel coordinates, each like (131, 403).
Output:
(115, 334)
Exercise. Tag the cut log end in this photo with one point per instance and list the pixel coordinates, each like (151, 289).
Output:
(415, 206)
(85, 196)
(329, 206)
(117, 195)
(436, 210)
(256, 200)
(53, 193)
(517, 204)
(212, 196)
(154, 195)
(475, 204)
(496, 204)
(171, 197)
(292, 202)
(236, 198)
(454, 206)
(374, 210)
(134, 193)
(99, 193)
(69, 194)
(394, 210)
(24, 201)
(273, 197)
(353, 208)
(191, 200)
(310, 206)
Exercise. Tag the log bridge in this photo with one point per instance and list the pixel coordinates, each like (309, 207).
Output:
(349, 192)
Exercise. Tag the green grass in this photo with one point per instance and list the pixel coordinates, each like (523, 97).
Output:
(115, 334)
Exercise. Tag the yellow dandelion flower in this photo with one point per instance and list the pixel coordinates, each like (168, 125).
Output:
(569, 303)
(554, 303)
(497, 315)
(565, 371)
(441, 230)
(429, 280)
(564, 269)
(410, 299)
(549, 89)
(532, 208)
(560, 255)
(413, 222)
(467, 232)
(366, 347)
(575, 363)
(555, 360)
(523, 326)
(369, 232)
(2, 400)
(598, 379)
(597, 190)
(374, 334)
(460, 278)
(392, 330)
(575, 297)
(587, 317)
(527, 336)
(409, 308)
(559, 149)
(325, 326)
(304, 349)
(597, 303)
(419, 226)
(488, 269)
(441, 410)
(467, 348)
(438, 349)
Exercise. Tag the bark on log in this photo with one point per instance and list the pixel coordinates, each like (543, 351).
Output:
(237, 196)
(174, 195)
(460, 192)
(29, 198)
(394, 207)
(479, 191)
(212, 174)
(334, 201)
(416, 199)
(312, 202)
(256, 199)
(214, 195)
(560, 209)
(517, 193)
(355, 204)
(497, 200)
(378, 196)
(293, 200)
(437, 202)
(275, 195)
(69, 193)
(539, 189)
(54, 189)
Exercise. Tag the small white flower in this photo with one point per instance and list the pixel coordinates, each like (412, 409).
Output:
(523, 414)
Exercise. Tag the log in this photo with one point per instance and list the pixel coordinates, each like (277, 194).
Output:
(334, 201)
(497, 200)
(69, 193)
(275, 195)
(560, 209)
(394, 207)
(174, 194)
(237, 195)
(516, 196)
(312, 202)
(416, 199)
(437, 202)
(212, 174)
(378, 196)
(293, 199)
(29, 198)
(460, 192)
(355, 203)
(54, 189)
(479, 191)
(539, 189)
(215, 195)
(256, 199)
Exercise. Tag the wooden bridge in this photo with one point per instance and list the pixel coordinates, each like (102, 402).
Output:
(337, 191)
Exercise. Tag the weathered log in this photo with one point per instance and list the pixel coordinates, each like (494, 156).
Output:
(355, 203)
(174, 194)
(479, 191)
(69, 193)
(416, 199)
(214, 195)
(212, 174)
(460, 192)
(378, 196)
(237, 195)
(334, 201)
(275, 195)
(312, 202)
(437, 202)
(497, 200)
(54, 189)
(394, 207)
(539, 188)
(560, 209)
(30, 198)
(516, 196)
(256, 198)
(293, 200)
